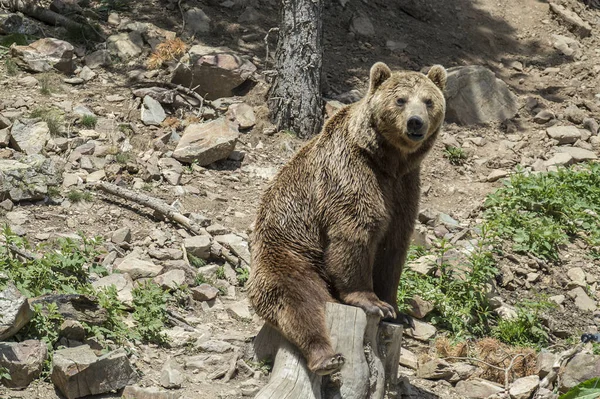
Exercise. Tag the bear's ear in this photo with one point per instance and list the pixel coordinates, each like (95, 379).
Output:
(379, 73)
(437, 74)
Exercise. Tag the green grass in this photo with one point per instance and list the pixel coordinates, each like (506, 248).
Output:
(89, 121)
(220, 273)
(196, 261)
(11, 67)
(526, 329)
(49, 83)
(52, 117)
(456, 156)
(78, 196)
(123, 157)
(538, 213)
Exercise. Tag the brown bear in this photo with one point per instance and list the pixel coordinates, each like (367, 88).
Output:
(336, 221)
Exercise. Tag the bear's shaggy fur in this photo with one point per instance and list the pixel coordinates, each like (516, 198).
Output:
(335, 223)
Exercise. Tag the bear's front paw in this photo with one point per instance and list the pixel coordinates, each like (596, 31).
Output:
(370, 304)
(328, 365)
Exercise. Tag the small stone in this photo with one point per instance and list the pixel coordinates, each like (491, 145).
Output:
(96, 176)
(14, 311)
(577, 276)
(496, 174)
(97, 59)
(362, 26)
(579, 154)
(23, 361)
(196, 21)
(152, 112)
(591, 125)
(435, 369)
(121, 236)
(544, 116)
(574, 114)
(421, 331)
(138, 268)
(562, 158)
(239, 311)
(199, 246)
(564, 134)
(582, 300)
(477, 388)
(171, 377)
(7, 205)
(408, 359)
(72, 329)
(171, 279)
(125, 45)
(204, 292)
(206, 143)
(418, 307)
(524, 387)
(557, 299)
(545, 363)
(395, 47)
(123, 284)
(243, 114)
(423, 265)
(215, 346)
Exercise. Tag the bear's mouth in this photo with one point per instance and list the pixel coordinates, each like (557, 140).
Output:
(416, 136)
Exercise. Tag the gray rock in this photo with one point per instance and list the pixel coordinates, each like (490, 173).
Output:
(249, 15)
(29, 178)
(152, 112)
(83, 308)
(217, 72)
(204, 292)
(72, 329)
(435, 369)
(524, 387)
(87, 74)
(14, 311)
(496, 175)
(171, 170)
(582, 300)
(96, 176)
(45, 55)
(207, 142)
(196, 21)
(239, 311)
(97, 59)
(215, 346)
(580, 368)
(544, 116)
(199, 246)
(123, 284)
(562, 158)
(121, 236)
(149, 393)
(30, 139)
(24, 361)
(567, 46)
(361, 25)
(573, 21)
(16, 23)
(478, 389)
(82, 110)
(408, 359)
(171, 279)
(577, 276)
(242, 114)
(418, 307)
(579, 154)
(475, 96)
(424, 265)
(574, 114)
(396, 47)
(545, 363)
(138, 268)
(78, 372)
(170, 376)
(4, 137)
(564, 134)
(7, 205)
(237, 243)
(421, 331)
(125, 45)
(591, 125)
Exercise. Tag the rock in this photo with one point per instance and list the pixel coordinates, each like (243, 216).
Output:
(524, 387)
(545, 363)
(475, 96)
(121, 236)
(152, 112)
(435, 369)
(574, 114)
(577, 276)
(395, 47)
(171, 279)
(96, 176)
(45, 55)
(424, 265)
(464, 370)
(4, 137)
(579, 154)
(215, 346)
(573, 21)
(477, 388)
(199, 246)
(87, 74)
(237, 243)
(217, 72)
(24, 361)
(30, 139)
(557, 299)
(82, 110)
(418, 307)
(591, 125)
(580, 368)
(138, 268)
(206, 143)
(14, 311)
(239, 311)
(72, 329)
(582, 300)
(83, 308)
(408, 359)
(125, 45)
(447, 221)
(564, 134)
(567, 46)
(123, 284)
(361, 25)
(496, 175)
(170, 376)
(100, 58)
(196, 21)
(242, 114)
(544, 116)
(77, 372)
(29, 178)
(562, 158)
(421, 331)
(171, 170)
(204, 292)
(7, 205)
(131, 392)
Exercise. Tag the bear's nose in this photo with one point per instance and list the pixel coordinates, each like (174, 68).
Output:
(414, 124)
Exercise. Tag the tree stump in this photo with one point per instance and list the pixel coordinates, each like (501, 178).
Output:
(371, 349)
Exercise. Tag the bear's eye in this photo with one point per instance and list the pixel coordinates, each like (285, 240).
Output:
(429, 103)
(400, 101)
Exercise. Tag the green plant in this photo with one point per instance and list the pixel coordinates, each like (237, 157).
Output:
(196, 261)
(456, 290)
(114, 328)
(44, 326)
(78, 196)
(526, 329)
(5, 374)
(455, 155)
(125, 128)
(589, 389)
(220, 273)
(49, 83)
(14, 38)
(123, 157)
(11, 67)
(89, 121)
(540, 212)
(150, 312)
(180, 296)
(242, 275)
(53, 118)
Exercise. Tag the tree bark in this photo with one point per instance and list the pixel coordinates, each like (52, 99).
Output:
(295, 98)
(371, 349)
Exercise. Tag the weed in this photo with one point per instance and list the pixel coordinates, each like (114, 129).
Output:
(114, 328)
(89, 121)
(147, 187)
(125, 128)
(166, 51)
(123, 157)
(53, 118)
(180, 296)
(242, 275)
(11, 67)
(78, 196)
(44, 326)
(455, 155)
(53, 192)
(49, 83)
(5, 374)
(220, 273)
(201, 279)
(540, 212)
(526, 329)
(196, 261)
(150, 312)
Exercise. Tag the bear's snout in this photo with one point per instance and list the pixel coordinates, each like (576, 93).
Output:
(414, 126)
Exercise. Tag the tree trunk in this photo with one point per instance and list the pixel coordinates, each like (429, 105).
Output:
(295, 98)
(371, 349)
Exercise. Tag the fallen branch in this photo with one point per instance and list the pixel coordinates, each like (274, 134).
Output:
(177, 87)
(169, 212)
(23, 252)
(564, 357)
(232, 366)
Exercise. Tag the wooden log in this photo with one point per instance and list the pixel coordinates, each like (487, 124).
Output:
(371, 349)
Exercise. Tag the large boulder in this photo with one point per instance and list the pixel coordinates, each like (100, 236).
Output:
(78, 372)
(215, 72)
(206, 143)
(580, 368)
(29, 178)
(24, 361)
(45, 55)
(14, 311)
(29, 138)
(475, 96)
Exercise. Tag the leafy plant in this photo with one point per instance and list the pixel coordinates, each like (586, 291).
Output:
(150, 312)
(5, 374)
(196, 261)
(220, 273)
(526, 329)
(455, 155)
(114, 328)
(123, 157)
(589, 389)
(78, 196)
(540, 212)
(242, 275)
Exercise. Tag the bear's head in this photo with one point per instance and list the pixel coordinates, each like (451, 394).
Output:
(407, 108)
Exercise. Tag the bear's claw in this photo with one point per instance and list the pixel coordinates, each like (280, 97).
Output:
(330, 365)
